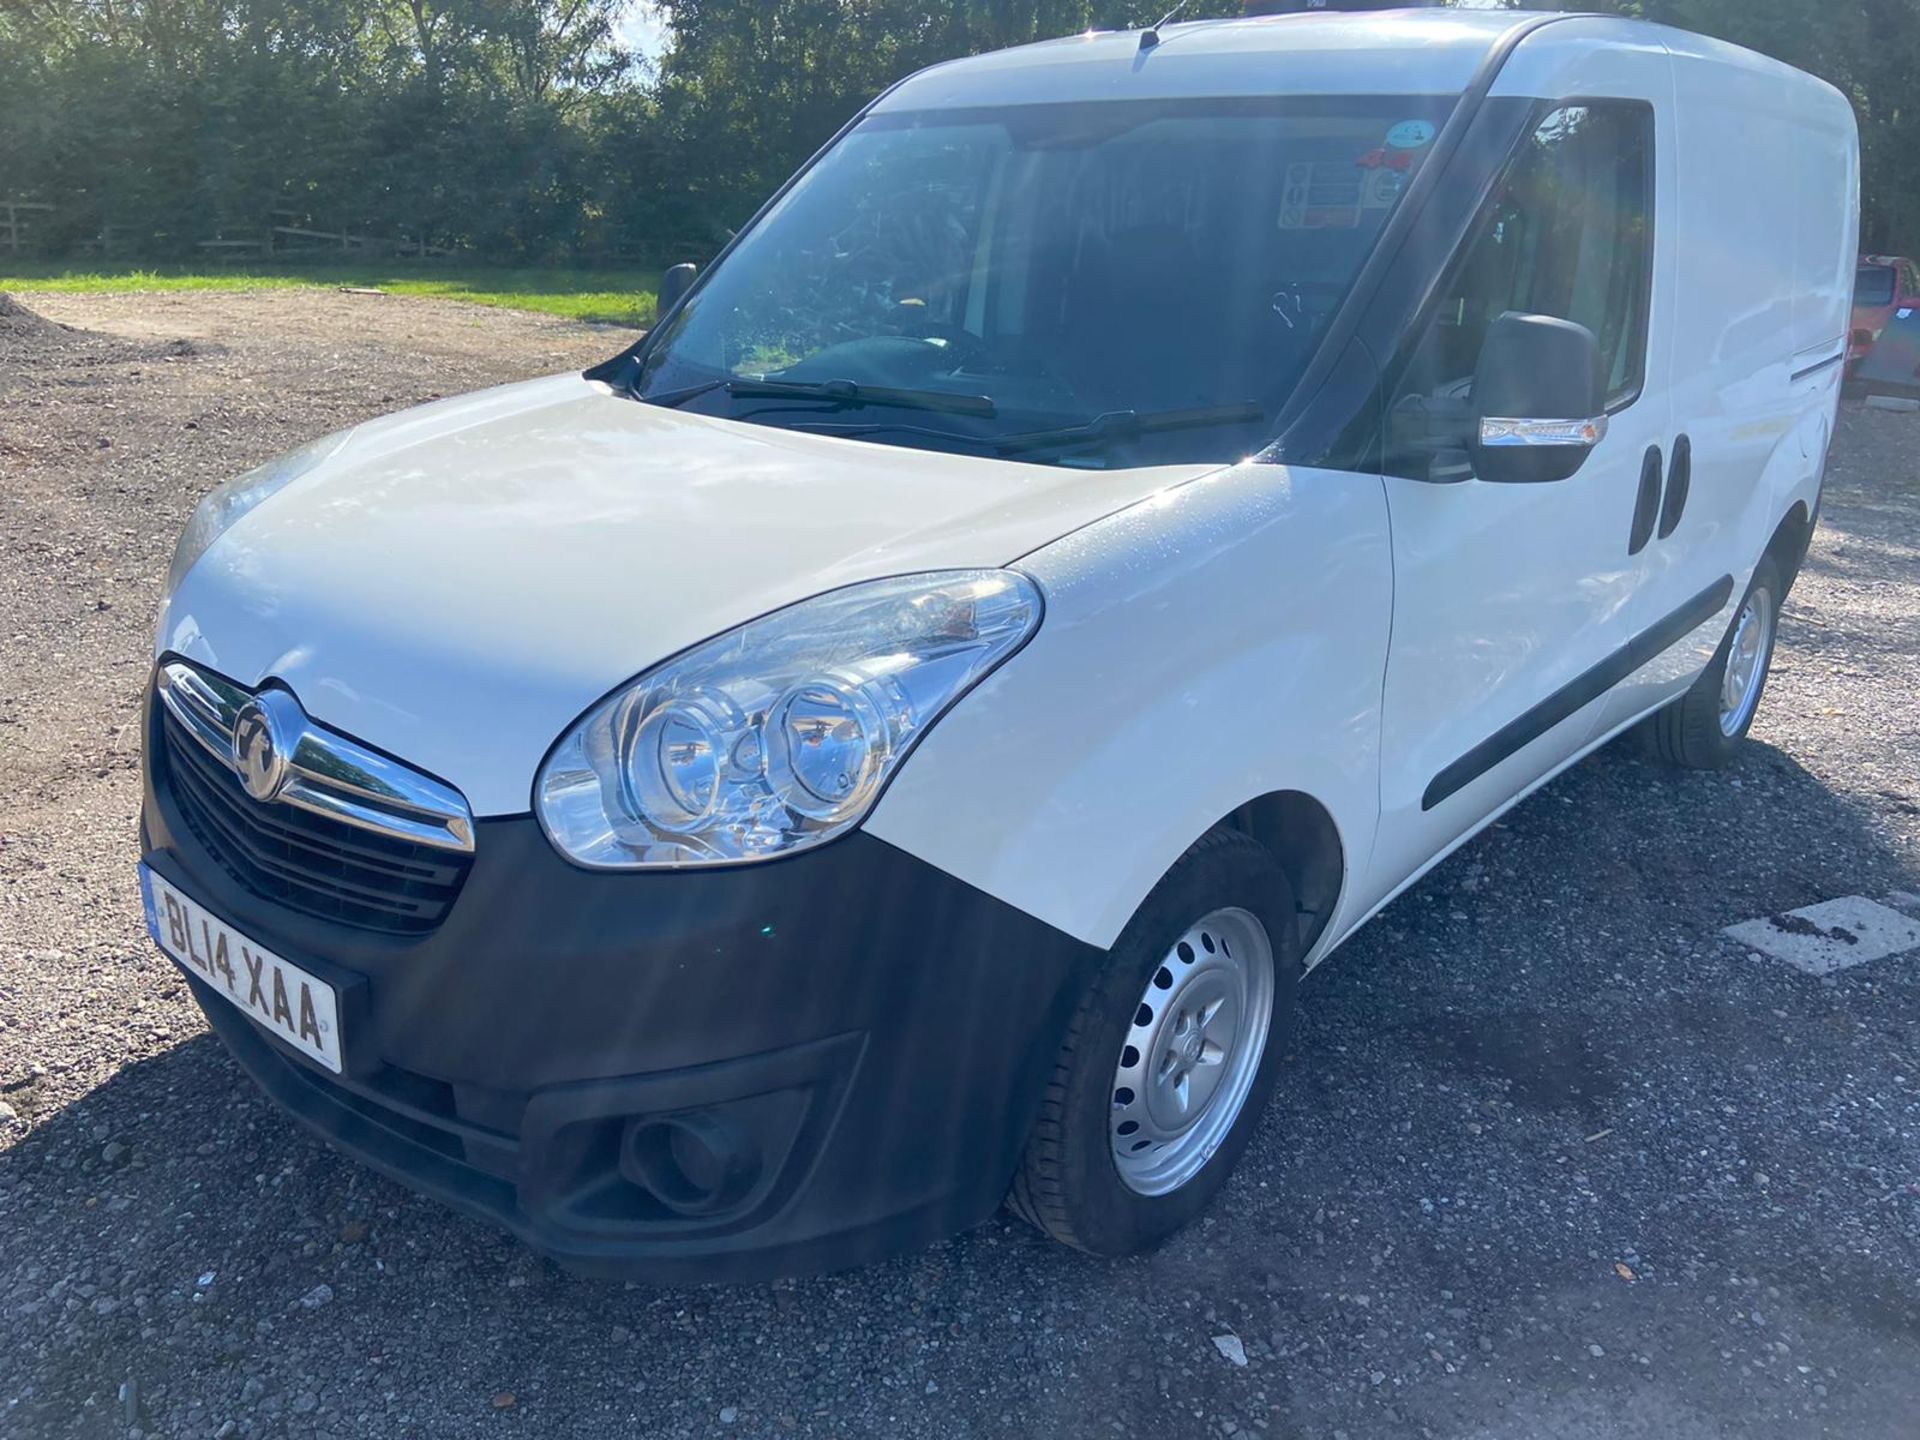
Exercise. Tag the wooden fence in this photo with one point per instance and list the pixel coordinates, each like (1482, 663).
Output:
(11, 223)
(292, 235)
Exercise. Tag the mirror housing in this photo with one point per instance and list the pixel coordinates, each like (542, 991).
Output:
(1539, 405)
(675, 284)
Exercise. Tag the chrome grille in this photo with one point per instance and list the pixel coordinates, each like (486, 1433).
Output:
(328, 774)
(367, 872)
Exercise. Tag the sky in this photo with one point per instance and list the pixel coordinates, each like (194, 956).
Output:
(642, 28)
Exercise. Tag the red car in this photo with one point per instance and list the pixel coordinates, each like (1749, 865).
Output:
(1882, 285)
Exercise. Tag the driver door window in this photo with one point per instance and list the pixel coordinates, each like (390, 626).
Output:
(1569, 233)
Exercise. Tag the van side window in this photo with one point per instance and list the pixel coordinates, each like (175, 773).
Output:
(1568, 233)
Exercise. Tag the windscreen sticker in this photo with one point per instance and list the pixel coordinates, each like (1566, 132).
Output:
(1380, 189)
(1401, 160)
(1320, 195)
(1410, 135)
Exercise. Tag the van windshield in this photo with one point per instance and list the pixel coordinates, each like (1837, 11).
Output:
(1116, 283)
(1873, 285)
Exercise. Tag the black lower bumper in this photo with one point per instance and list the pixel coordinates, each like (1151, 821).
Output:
(732, 1074)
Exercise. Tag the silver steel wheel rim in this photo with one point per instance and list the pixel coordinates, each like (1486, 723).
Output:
(1747, 656)
(1192, 1051)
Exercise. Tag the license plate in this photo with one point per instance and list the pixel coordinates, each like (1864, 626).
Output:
(275, 994)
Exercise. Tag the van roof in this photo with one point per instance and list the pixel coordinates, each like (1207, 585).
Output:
(1319, 52)
(1390, 52)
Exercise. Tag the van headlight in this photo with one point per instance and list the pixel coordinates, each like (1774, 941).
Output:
(780, 734)
(227, 503)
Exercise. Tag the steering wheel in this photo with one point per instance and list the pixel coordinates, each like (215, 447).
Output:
(1304, 304)
(961, 344)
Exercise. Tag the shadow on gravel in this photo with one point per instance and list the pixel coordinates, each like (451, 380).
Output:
(1554, 1153)
(1543, 1098)
(1563, 957)
(1871, 488)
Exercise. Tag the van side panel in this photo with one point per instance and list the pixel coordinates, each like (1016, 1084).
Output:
(1216, 643)
(1760, 297)
(1826, 217)
(1826, 249)
(1226, 639)
(1737, 160)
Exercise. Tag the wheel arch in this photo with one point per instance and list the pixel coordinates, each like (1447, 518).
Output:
(1304, 838)
(1211, 655)
(1788, 546)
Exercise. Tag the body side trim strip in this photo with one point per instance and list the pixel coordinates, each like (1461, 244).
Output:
(1827, 363)
(1331, 939)
(1577, 693)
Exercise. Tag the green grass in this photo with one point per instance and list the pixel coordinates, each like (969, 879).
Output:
(619, 297)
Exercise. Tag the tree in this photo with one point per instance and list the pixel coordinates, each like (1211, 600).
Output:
(749, 91)
(523, 129)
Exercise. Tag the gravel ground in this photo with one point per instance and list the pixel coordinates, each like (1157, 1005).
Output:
(1558, 1160)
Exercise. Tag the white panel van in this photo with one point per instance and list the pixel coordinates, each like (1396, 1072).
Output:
(897, 736)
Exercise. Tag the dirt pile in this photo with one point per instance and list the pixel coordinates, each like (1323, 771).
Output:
(36, 352)
(26, 336)
(17, 320)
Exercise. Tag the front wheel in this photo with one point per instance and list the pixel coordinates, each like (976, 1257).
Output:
(1171, 1056)
(1704, 728)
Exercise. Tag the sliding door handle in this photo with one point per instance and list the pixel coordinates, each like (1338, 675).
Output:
(1679, 480)
(1646, 509)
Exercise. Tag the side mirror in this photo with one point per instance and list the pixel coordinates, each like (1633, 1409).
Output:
(1539, 406)
(674, 284)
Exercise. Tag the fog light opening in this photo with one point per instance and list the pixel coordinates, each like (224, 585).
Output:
(692, 1164)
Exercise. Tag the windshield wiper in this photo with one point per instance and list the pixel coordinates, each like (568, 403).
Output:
(849, 392)
(671, 398)
(1117, 426)
(842, 392)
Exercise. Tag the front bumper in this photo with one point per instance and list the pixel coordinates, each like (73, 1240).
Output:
(858, 1040)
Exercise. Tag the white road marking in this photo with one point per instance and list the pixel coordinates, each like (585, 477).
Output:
(1833, 935)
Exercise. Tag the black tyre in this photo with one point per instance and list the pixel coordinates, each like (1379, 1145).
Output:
(1705, 727)
(1171, 1056)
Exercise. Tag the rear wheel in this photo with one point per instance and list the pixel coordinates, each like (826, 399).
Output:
(1703, 729)
(1170, 1057)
